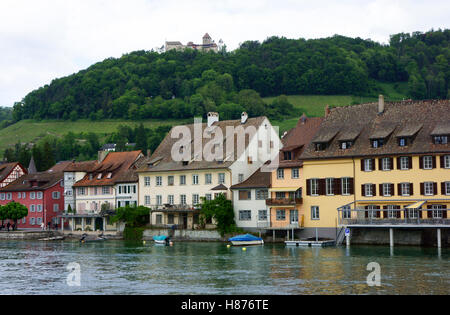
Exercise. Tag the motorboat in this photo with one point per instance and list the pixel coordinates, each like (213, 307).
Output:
(162, 240)
(85, 239)
(246, 240)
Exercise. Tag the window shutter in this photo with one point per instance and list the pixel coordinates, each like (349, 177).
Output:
(385, 213)
(381, 189)
(434, 161)
(378, 212)
(422, 189)
(393, 190)
(380, 164)
(391, 160)
(399, 189)
(421, 162)
(435, 192)
(363, 190)
(444, 211)
(374, 189)
(442, 161)
(410, 162)
(308, 187)
(398, 163)
(366, 213)
(399, 213)
(430, 213)
(373, 164)
(420, 214)
(443, 188)
(411, 188)
(352, 186)
(362, 165)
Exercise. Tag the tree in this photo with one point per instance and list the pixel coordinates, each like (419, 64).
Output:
(132, 216)
(221, 210)
(141, 138)
(15, 211)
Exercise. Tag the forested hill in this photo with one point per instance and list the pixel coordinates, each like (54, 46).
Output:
(146, 84)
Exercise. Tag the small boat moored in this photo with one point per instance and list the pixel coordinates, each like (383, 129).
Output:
(246, 240)
(86, 239)
(162, 240)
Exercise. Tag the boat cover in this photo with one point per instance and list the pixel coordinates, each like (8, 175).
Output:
(159, 238)
(245, 238)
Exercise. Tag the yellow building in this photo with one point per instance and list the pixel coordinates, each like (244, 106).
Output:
(379, 165)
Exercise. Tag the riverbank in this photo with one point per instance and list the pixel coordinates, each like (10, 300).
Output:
(27, 234)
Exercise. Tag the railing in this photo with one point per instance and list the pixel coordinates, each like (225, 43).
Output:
(360, 216)
(178, 207)
(284, 201)
(278, 226)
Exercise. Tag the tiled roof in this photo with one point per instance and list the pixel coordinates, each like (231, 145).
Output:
(161, 159)
(259, 179)
(113, 168)
(7, 168)
(41, 180)
(86, 166)
(59, 167)
(398, 118)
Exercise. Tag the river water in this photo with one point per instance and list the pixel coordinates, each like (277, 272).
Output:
(120, 267)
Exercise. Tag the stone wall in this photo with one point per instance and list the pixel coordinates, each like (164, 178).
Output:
(26, 235)
(185, 235)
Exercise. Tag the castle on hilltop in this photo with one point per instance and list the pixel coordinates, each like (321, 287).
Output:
(207, 45)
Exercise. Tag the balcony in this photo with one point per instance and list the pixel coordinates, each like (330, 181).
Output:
(275, 202)
(281, 225)
(175, 208)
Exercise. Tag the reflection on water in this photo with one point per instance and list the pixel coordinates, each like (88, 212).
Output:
(117, 267)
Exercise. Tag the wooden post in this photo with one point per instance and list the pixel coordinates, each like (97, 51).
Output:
(439, 238)
(391, 237)
(274, 235)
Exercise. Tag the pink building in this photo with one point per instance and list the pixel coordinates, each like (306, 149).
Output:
(42, 193)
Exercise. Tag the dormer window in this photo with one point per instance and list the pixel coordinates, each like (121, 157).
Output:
(440, 139)
(321, 146)
(288, 156)
(377, 143)
(402, 142)
(99, 176)
(346, 145)
(109, 175)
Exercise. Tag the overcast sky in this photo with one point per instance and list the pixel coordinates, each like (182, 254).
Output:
(44, 39)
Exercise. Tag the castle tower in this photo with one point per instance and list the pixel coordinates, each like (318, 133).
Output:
(206, 39)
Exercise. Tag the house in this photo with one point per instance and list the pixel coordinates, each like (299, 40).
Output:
(272, 200)
(74, 172)
(378, 164)
(9, 172)
(173, 187)
(42, 193)
(208, 44)
(95, 193)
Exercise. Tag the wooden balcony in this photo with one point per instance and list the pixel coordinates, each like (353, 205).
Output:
(284, 202)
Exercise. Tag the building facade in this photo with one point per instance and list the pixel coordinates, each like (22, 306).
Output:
(379, 164)
(9, 172)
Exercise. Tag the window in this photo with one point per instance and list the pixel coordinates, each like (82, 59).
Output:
(55, 195)
(368, 165)
(386, 164)
(314, 187)
(402, 142)
(262, 194)
(241, 178)
(245, 215)
(40, 195)
(105, 191)
(158, 180)
(55, 207)
(346, 212)
(262, 215)
(32, 221)
(437, 211)
(295, 173)
(281, 215)
(195, 199)
(440, 139)
(208, 197)
(330, 186)
(19, 195)
(8, 196)
(245, 194)
(2, 196)
(404, 163)
(387, 191)
(221, 178)
(346, 145)
(170, 180)
(194, 179)
(392, 214)
(372, 213)
(182, 179)
(183, 200)
(413, 213)
(315, 213)
(39, 208)
(406, 189)
(81, 191)
(109, 176)
(24, 195)
(377, 143)
(320, 146)
(158, 200)
(280, 195)
(38, 221)
(447, 161)
(99, 176)
(446, 188)
(32, 208)
(288, 156)
(170, 199)
(280, 173)
(345, 182)
(147, 200)
(170, 219)
(368, 190)
(208, 179)
(429, 188)
(32, 195)
(147, 181)
(427, 162)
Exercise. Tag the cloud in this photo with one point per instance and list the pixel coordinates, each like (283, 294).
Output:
(46, 39)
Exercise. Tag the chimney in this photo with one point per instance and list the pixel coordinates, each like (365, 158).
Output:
(380, 104)
(244, 117)
(102, 155)
(327, 111)
(149, 152)
(212, 118)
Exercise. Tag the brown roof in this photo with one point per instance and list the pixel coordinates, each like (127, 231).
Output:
(257, 180)
(397, 118)
(161, 159)
(443, 128)
(59, 167)
(299, 137)
(6, 169)
(86, 166)
(113, 168)
(131, 175)
(34, 182)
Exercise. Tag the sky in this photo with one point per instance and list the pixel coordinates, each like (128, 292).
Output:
(41, 40)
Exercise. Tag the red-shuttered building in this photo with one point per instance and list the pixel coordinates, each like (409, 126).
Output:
(42, 193)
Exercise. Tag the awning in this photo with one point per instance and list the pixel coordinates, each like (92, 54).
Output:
(280, 189)
(415, 205)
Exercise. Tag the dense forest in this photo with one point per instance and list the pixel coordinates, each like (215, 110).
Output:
(145, 84)
(5, 116)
